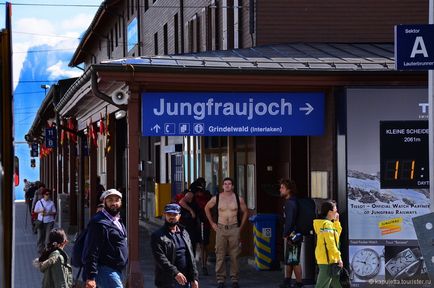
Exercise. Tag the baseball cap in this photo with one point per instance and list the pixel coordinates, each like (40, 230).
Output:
(101, 198)
(111, 192)
(172, 208)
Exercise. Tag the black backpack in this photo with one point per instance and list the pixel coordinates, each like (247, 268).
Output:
(78, 248)
(306, 213)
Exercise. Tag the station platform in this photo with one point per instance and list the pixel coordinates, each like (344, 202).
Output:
(26, 275)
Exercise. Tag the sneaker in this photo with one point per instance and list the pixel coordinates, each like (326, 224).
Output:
(221, 285)
(298, 285)
(205, 271)
(235, 285)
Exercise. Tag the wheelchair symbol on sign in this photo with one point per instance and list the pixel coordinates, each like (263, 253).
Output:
(266, 232)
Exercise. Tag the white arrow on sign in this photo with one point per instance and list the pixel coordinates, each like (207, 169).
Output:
(308, 109)
(156, 128)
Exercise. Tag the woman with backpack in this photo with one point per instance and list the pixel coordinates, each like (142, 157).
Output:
(328, 257)
(54, 262)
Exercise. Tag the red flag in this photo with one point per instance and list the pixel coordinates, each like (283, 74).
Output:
(42, 152)
(72, 136)
(62, 132)
(108, 147)
(92, 134)
(101, 125)
(68, 124)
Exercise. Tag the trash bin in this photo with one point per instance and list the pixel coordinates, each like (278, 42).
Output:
(307, 259)
(264, 237)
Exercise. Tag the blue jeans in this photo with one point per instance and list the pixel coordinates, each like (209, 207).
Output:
(108, 278)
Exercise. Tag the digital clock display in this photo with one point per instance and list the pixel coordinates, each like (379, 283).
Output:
(404, 154)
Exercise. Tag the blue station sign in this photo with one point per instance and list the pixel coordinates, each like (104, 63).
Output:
(414, 47)
(50, 137)
(232, 114)
(34, 150)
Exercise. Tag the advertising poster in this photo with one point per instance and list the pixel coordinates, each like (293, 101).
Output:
(388, 185)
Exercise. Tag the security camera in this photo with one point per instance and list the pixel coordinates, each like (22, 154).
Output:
(120, 97)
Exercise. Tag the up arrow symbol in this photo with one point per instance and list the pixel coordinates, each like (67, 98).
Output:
(156, 128)
(308, 109)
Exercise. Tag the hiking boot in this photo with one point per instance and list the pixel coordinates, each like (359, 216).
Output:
(235, 285)
(221, 285)
(205, 271)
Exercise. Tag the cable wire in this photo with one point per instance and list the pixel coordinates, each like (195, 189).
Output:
(128, 6)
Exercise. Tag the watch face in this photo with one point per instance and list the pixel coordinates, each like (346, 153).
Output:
(366, 263)
(401, 262)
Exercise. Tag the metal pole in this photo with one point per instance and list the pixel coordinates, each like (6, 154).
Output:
(431, 118)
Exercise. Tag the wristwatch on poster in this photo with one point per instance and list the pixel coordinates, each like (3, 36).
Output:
(366, 263)
(405, 264)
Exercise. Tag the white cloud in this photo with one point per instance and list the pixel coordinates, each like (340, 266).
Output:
(35, 31)
(61, 35)
(79, 22)
(61, 70)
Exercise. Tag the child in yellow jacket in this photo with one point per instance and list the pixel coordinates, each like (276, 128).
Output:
(328, 230)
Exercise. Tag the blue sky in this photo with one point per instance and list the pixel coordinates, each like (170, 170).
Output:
(44, 40)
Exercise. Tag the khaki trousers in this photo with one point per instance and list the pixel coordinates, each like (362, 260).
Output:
(227, 243)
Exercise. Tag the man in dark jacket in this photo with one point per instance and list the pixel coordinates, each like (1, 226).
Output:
(175, 266)
(288, 191)
(105, 252)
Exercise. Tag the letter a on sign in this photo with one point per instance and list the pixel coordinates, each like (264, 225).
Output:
(419, 47)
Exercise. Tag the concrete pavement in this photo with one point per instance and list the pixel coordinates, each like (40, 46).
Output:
(26, 276)
(249, 276)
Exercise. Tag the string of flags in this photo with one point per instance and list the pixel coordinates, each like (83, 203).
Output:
(92, 133)
(103, 130)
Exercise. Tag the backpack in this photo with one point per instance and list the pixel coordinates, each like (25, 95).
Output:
(78, 248)
(215, 211)
(179, 196)
(306, 213)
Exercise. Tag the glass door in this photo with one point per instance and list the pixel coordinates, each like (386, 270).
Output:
(216, 162)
